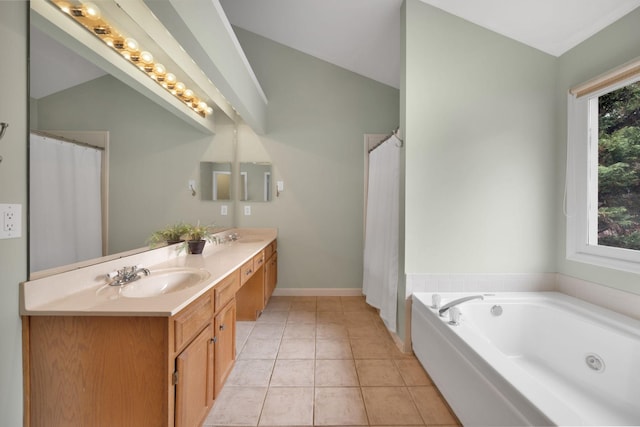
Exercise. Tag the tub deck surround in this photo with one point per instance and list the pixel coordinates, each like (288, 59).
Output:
(75, 293)
(548, 359)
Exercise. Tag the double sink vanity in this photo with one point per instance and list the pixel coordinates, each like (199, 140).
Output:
(155, 351)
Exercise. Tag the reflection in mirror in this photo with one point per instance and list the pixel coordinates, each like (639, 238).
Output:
(215, 181)
(255, 182)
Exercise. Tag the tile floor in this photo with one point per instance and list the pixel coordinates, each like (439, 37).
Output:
(324, 361)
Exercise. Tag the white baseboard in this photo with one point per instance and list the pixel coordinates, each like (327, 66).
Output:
(318, 292)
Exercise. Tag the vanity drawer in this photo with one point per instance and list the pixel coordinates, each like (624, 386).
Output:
(258, 261)
(226, 290)
(190, 321)
(246, 271)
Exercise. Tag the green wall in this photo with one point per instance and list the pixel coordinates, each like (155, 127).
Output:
(316, 118)
(608, 49)
(13, 189)
(480, 119)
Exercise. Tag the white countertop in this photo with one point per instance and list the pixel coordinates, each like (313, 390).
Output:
(76, 293)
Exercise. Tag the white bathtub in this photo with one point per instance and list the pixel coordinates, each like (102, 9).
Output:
(528, 366)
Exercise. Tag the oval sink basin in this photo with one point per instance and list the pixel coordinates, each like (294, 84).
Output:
(164, 281)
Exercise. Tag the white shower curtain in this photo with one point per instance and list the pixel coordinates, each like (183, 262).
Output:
(65, 203)
(380, 276)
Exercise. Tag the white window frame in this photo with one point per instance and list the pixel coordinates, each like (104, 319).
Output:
(582, 186)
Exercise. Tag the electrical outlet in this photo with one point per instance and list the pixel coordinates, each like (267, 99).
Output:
(247, 210)
(223, 210)
(11, 221)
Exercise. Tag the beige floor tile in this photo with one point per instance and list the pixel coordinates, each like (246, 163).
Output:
(293, 373)
(251, 373)
(243, 329)
(260, 348)
(367, 331)
(331, 330)
(288, 406)
(302, 298)
(280, 305)
(303, 306)
(299, 317)
(329, 304)
(358, 318)
(371, 348)
(431, 406)
(267, 331)
(297, 348)
(349, 305)
(412, 372)
(336, 373)
(378, 372)
(300, 330)
(330, 317)
(390, 406)
(339, 405)
(333, 348)
(237, 406)
(273, 317)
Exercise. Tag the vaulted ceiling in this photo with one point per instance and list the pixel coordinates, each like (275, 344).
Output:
(364, 35)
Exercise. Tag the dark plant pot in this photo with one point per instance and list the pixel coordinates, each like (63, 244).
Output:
(196, 246)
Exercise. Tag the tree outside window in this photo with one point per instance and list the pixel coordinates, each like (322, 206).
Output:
(619, 168)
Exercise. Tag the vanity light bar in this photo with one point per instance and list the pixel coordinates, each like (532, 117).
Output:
(88, 15)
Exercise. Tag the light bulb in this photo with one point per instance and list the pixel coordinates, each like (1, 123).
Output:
(187, 95)
(146, 57)
(91, 11)
(130, 44)
(108, 41)
(147, 60)
(209, 110)
(202, 106)
(159, 71)
(179, 88)
(170, 80)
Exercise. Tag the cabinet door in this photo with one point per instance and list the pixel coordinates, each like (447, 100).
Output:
(194, 387)
(225, 347)
(271, 277)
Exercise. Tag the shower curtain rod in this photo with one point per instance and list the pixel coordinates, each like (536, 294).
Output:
(386, 138)
(63, 139)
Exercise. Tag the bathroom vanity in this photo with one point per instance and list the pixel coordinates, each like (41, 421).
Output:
(150, 355)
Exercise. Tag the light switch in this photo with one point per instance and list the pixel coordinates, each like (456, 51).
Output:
(280, 185)
(223, 210)
(247, 210)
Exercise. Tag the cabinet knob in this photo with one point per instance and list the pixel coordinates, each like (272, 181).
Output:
(222, 327)
(213, 340)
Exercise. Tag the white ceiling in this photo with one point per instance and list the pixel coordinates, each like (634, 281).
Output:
(364, 35)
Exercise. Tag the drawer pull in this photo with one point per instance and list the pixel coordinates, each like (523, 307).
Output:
(222, 327)
(249, 272)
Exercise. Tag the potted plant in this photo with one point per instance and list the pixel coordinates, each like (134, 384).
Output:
(170, 234)
(197, 236)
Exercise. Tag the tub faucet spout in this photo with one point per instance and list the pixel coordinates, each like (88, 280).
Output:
(458, 301)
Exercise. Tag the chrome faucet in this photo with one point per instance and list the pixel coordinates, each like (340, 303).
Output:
(126, 275)
(458, 301)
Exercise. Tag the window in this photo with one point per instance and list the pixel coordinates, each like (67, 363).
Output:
(603, 175)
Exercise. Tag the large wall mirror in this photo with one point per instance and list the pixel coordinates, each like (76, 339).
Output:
(152, 151)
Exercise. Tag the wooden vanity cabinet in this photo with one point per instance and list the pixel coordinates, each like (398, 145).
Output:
(194, 380)
(225, 344)
(270, 270)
